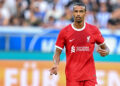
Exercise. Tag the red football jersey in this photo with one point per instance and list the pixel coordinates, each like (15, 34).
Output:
(79, 44)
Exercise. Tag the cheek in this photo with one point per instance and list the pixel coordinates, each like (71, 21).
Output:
(74, 15)
(83, 15)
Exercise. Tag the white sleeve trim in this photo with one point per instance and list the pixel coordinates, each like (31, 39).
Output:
(58, 47)
(102, 43)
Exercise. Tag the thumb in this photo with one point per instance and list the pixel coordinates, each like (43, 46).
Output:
(50, 70)
(98, 48)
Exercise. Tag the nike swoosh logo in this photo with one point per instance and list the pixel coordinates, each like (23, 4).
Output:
(71, 40)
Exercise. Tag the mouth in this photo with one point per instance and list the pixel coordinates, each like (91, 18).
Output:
(78, 17)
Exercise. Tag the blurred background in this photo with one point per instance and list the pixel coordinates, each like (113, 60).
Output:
(28, 32)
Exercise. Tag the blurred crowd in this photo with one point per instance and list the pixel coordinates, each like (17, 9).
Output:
(58, 13)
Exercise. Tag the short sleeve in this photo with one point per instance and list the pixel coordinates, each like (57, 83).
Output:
(60, 40)
(98, 37)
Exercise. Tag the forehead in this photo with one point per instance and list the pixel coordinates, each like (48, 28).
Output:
(79, 7)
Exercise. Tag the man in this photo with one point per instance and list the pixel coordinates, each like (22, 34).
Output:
(79, 39)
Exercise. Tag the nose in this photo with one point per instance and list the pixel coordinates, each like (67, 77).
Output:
(78, 14)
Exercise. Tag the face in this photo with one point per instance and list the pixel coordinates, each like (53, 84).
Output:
(79, 13)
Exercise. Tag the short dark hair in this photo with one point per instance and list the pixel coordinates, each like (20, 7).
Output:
(79, 4)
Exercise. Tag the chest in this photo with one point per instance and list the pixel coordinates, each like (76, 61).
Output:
(80, 38)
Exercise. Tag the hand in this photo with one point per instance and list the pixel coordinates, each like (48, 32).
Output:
(102, 52)
(54, 70)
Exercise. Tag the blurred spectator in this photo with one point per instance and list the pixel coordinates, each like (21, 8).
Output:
(50, 23)
(33, 19)
(4, 14)
(11, 6)
(25, 23)
(64, 2)
(62, 22)
(33, 15)
(49, 13)
(21, 5)
(95, 6)
(68, 14)
(41, 5)
(56, 9)
(115, 4)
(114, 21)
(15, 21)
(88, 4)
(90, 17)
(57, 4)
(113, 1)
(103, 16)
(38, 13)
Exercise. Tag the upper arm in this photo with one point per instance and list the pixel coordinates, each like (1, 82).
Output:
(58, 52)
(60, 40)
(98, 37)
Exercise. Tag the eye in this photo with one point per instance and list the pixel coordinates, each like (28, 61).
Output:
(81, 11)
(75, 11)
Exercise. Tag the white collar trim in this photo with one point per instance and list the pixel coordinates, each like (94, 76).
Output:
(80, 29)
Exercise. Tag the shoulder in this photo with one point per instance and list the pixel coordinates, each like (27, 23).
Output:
(92, 28)
(65, 29)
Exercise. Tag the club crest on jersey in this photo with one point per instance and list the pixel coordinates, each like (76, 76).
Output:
(73, 49)
(88, 38)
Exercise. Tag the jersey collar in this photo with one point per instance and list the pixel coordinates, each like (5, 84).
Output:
(80, 28)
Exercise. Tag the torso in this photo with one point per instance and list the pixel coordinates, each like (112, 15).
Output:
(79, 52)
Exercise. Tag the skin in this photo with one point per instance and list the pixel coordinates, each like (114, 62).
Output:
(79, 13)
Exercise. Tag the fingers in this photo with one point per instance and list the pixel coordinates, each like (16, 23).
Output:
(103, 55)
(99, 49)
(51, 73)
(102, 52)
(53, 70)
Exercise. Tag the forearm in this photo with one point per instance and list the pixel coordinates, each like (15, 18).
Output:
(56, 60)
(56, 57)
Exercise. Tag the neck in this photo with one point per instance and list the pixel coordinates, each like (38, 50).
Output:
(78, 25)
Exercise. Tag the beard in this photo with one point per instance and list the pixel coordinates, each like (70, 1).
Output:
(78, 19)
